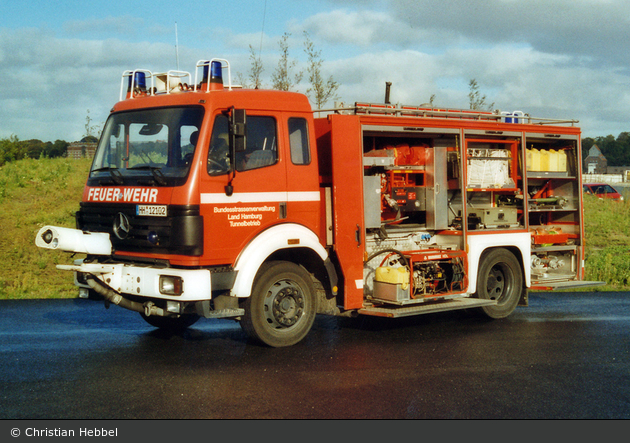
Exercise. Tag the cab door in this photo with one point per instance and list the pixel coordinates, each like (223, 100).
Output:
(245, 193)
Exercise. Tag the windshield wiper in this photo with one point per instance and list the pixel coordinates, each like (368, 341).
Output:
(158, 176)
(116, 175)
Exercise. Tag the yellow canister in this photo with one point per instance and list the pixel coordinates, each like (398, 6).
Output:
(533, 160)
(396, 276)
(544, 160)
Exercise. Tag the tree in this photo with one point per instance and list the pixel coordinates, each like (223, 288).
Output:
(616, 151)
(255, 72)
(57, 149)
(320, 91)
(10, 150)
(282, 77)
(90, 129)
(476, 100)
(32, 148)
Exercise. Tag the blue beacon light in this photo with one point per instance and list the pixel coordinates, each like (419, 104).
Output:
(139, 80)
(216, 76)
(206, 69)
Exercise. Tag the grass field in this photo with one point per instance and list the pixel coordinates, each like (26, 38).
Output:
(34, 193)
(607, 226)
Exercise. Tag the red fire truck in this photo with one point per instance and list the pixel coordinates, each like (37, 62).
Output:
(208, 200)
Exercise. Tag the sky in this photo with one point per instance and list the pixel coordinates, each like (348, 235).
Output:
(61, 62)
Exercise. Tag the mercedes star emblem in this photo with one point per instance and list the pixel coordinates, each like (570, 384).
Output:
(121, 226)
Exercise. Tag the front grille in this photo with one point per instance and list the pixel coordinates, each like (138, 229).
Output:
(180, 232)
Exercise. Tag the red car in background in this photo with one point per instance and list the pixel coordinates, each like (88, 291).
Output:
(602, 190)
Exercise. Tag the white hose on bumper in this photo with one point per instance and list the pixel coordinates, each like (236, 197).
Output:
(73, 240)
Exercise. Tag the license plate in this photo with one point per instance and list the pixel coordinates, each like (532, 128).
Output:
(151, 210)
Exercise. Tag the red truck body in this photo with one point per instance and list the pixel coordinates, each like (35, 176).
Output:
(208, 200)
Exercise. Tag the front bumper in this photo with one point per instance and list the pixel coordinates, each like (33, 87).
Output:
(145, 281)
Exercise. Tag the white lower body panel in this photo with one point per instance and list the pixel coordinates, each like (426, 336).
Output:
(145, 281)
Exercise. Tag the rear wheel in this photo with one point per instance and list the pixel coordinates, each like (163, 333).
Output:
(500, 278)
(281, 309)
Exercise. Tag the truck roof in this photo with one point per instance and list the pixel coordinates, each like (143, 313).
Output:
(142, 88)
(253, 98)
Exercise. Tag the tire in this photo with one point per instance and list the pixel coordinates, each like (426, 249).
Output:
(281, 309)
(500, 278)
(171, 324)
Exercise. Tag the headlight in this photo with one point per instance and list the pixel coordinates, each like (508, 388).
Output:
(171, 285)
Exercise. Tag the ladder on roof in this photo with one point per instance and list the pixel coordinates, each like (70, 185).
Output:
(432, 112)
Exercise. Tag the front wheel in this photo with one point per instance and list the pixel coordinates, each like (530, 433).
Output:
(281, 309)
(500, 278)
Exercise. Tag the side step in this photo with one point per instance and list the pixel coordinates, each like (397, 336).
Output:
(425, 308)
(550, 286)
(224, 313)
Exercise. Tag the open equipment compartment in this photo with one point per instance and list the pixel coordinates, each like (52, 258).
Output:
(554, 207)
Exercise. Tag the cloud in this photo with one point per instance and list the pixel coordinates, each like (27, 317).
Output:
(121, 26)
(50, 82)
(557, 59)
(575, 27)
(363, 28)
(592, 30)
(540, 84)
(363, 77)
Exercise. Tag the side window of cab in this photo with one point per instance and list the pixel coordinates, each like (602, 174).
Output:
(298, 139)
(261, 149)
(219, 152)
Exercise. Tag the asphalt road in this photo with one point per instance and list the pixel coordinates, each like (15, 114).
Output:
(567, 356)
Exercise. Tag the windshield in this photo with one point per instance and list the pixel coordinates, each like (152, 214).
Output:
(147, 147)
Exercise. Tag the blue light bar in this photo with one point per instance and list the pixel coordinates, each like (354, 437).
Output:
(206, 69)
(216, 75)
(139, 81)
(217, 72)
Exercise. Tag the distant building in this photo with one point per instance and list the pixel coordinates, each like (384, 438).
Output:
(595, 163)
(83, 148)
(617, 169)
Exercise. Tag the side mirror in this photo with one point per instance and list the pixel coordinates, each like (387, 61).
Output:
(238, 142)
(238, 130)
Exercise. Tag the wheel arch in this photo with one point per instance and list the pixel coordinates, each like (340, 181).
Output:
(519, 244)
(288, 242)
